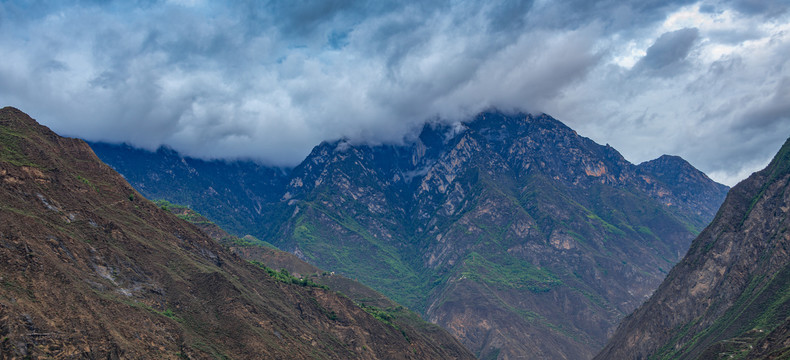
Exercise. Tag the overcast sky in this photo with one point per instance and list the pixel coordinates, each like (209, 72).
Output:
(706, 80)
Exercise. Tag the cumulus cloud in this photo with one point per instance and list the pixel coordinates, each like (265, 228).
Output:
(268, 80)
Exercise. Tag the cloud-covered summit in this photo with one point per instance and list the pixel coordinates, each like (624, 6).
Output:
(268, 80)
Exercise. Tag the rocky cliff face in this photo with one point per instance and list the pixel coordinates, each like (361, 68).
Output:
(687, 187)
(728, 297)
(90, 269)
(512, 231)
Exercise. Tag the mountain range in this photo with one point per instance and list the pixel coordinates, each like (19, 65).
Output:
(91, 269)
(513, 232)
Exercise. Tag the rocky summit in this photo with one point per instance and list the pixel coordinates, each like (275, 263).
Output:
(512, 231)
(91, 269)
(730, 295)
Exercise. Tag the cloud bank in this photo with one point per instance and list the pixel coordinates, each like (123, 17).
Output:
(707, 80)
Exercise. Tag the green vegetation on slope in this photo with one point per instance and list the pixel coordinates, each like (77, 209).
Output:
(507, 271)
(383, 266)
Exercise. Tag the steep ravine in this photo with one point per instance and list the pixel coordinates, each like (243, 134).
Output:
(730, 295)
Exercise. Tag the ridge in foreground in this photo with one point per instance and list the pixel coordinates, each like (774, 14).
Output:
(89, 268)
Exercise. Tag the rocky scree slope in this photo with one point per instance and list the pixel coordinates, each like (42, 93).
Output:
(512, 231)
(90, 269)
(730, 295)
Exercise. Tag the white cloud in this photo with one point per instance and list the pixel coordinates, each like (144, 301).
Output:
(706, 113)
(269, 80)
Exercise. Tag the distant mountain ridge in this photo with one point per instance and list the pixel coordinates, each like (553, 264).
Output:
(512, 231)
(235, 194)
(90, 269)
(730, 295)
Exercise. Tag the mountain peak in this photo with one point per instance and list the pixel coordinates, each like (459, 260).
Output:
(25, 142)
(13, 118)
(515, 121)
(691, 187)
(672, 169)
(11, 110)
(666, 158)
(666, 162)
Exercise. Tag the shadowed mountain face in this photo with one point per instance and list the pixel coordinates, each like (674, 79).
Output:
(237, 194)
(513, 232)
(90, 269)
(730, 296)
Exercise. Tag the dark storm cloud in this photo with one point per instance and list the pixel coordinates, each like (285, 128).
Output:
(669, 49)
(268, 80)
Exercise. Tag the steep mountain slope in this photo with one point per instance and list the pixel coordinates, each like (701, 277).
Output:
(512, 231)
(277, 260)
(730, 295)
(90, 269)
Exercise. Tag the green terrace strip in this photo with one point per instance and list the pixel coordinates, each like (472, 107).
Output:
(284, 276)
(385, 316)
(247, 241)
(180, 211)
